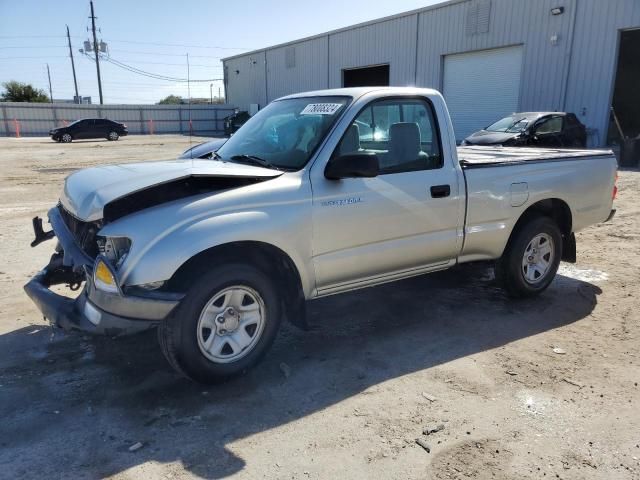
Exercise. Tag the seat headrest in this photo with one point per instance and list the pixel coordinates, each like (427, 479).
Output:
(404, 142)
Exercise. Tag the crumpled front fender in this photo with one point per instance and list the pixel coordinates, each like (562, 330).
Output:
(173, 237)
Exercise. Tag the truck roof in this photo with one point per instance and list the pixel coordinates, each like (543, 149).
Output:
(356, 92)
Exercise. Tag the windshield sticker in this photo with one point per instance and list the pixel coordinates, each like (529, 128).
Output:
(321, 109)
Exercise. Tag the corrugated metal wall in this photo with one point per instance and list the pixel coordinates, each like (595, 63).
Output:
(392, 42)
(309, 70)
(246, 80)
(568, 60)
(33, 119)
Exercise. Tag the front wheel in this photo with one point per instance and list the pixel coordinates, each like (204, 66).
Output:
(113, 136)
(66, 138)
(531, 259)
(224, 325)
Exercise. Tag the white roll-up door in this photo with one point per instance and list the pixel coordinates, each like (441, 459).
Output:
(481, 87)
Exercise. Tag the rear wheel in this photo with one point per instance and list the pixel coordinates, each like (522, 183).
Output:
(531, 259)
(66, 138)
(113, 136)
(224, 325)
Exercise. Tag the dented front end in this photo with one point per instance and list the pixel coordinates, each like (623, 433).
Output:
(95, 310)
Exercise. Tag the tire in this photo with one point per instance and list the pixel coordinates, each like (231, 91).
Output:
(522, 270)
(66, 138)
(113, 136)
(219, 355)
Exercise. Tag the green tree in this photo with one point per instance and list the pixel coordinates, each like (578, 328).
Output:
(22, 92)
(171, 100)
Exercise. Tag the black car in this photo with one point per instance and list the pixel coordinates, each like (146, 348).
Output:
(533, 129)
(203, 150)
(89, 128)
(234, 121)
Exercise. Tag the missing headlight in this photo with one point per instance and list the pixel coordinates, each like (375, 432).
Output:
(114, 248)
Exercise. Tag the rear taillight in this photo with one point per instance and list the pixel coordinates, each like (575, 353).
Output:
(614, 194)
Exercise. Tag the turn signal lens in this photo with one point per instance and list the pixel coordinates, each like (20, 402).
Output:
(615, 188)
(104, 278)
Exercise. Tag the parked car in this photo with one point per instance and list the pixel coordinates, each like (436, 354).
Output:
(89, 128)
(533, 129)
(300, 204)
(203, 150)
(234, 121)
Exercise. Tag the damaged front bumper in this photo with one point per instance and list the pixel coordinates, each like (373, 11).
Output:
(93, 311)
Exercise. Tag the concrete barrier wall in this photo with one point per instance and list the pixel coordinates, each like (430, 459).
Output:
(36, 119)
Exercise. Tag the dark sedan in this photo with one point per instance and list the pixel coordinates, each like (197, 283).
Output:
(89, 128)
(203, 150)
(533, 129)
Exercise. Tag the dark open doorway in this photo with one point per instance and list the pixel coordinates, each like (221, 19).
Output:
(377, 76)
(626, 94)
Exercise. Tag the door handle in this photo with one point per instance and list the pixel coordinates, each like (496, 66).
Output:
(440, 191)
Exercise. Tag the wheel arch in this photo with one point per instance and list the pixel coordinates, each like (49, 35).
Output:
(271, 260)
(560, 212)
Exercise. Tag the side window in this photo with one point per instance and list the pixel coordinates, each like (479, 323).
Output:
(551, 125)
(402, 132)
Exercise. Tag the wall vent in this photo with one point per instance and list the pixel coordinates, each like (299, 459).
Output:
(478, 17)
(290, 57)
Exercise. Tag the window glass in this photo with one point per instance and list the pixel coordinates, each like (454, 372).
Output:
(402, 132)
(509, 124)
(286, 132)
(552, 125)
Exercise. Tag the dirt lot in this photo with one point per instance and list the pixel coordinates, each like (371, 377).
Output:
(377, 367)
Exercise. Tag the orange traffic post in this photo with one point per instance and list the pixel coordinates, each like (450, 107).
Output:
(151, 126)
(17, 124)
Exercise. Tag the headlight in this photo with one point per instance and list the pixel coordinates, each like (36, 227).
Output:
(104, 277)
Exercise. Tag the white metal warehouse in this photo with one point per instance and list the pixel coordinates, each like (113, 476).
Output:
(489, 58)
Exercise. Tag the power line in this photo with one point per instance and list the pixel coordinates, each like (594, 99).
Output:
(165, 54)
(37, 56)
(178, 64)
(179, 45)
(39, 47)
(31, 36)
(151, 74)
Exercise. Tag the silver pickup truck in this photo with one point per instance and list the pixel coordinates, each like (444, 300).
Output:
(319, 193)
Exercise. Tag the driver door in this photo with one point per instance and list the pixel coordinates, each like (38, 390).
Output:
(402, 222)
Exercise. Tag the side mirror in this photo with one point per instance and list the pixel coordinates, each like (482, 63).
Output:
(353, 165)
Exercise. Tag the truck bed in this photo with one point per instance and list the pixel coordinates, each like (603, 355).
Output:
(491, 156)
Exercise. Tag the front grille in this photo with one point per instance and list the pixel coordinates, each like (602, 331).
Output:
(84, 233)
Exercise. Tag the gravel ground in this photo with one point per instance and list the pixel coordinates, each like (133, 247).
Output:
(348, 399)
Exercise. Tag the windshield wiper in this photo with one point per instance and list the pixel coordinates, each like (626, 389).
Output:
(253, 160)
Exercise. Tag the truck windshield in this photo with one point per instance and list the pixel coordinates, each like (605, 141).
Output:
(285, 133)
(509, 125)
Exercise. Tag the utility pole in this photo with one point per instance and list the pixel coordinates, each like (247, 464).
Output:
(211, 94)
(96, 49)
(73, 66)
(50, 89)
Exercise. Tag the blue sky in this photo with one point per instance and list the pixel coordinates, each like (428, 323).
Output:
(155, 36)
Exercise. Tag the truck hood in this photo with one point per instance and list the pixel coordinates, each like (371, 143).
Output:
(484, 137)
(87, 192)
